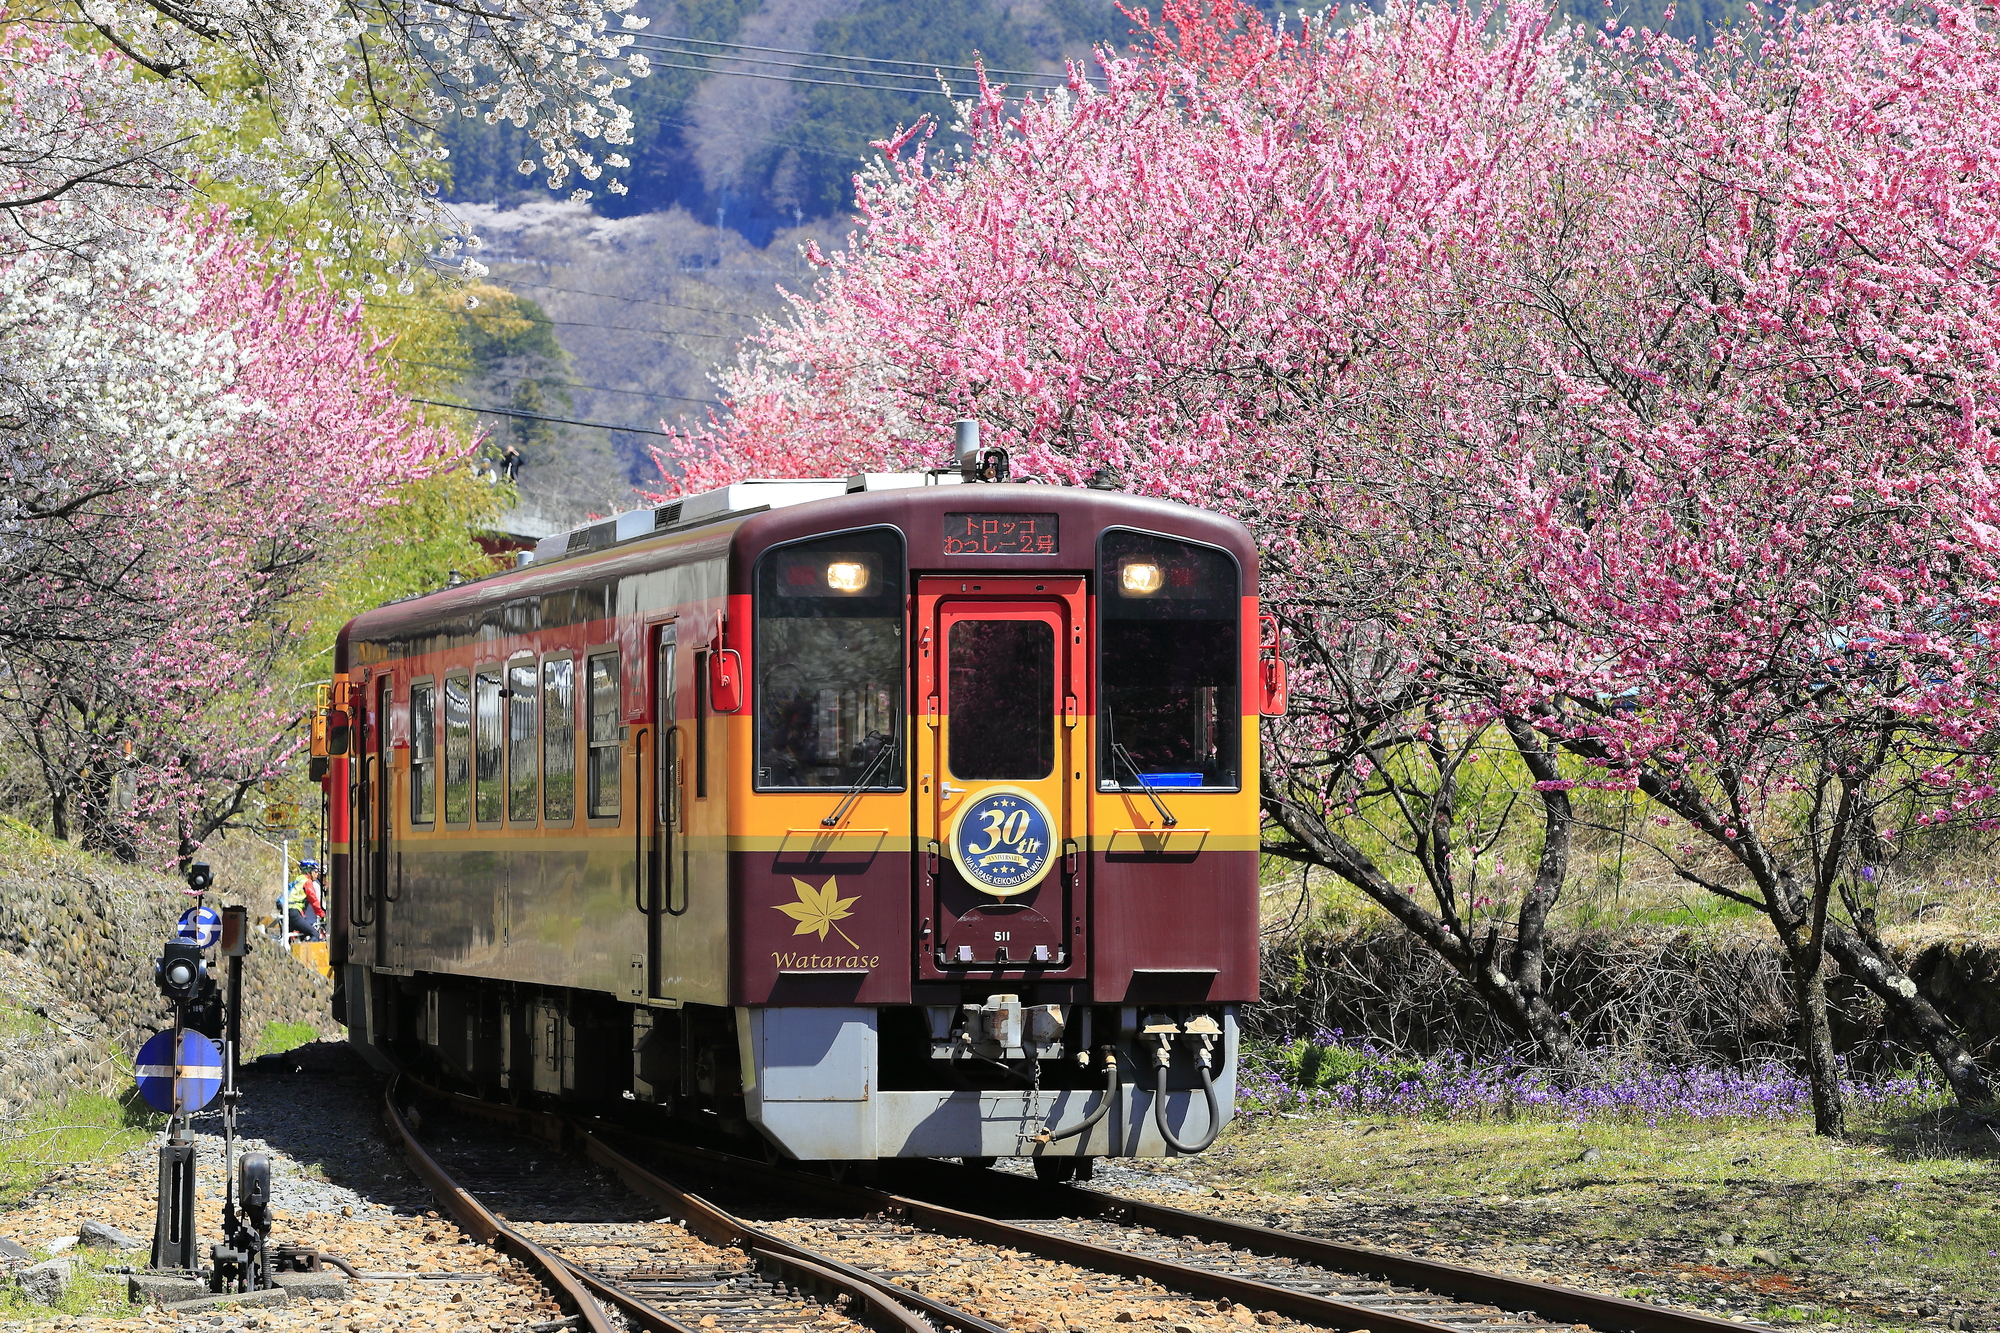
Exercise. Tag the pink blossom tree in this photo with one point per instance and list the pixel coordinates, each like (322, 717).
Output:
(1622, 408)
(153, 688)
(1226, 277)
(1760, 578)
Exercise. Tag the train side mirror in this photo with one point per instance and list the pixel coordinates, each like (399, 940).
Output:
(1270, 668)
(339, 730)
(725, 681)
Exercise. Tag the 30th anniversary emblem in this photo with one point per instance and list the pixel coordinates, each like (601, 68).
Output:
(1004, 841)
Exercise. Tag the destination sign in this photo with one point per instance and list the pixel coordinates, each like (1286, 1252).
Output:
(1000, 534)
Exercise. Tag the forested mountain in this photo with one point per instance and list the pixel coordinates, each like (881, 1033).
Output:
(739, 128)
(748, 133)
(758, 112)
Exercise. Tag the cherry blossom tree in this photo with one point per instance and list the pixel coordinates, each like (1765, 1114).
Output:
(1614, 406)
(1219, 278)
(264, 431)
(303, 101)
(1761, 587)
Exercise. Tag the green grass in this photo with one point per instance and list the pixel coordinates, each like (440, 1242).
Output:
(17, 1022)
(87, 1127)
(1910, 1202)
(91, 1289)
(277, 1038)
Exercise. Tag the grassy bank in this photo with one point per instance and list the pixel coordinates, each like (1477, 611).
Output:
(85, 1128)
(1898, 1226)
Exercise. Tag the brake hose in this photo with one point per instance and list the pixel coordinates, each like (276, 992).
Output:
(1103, 1107)
(1160, 1111)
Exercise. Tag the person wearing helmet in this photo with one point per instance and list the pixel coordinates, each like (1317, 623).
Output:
(304, 915)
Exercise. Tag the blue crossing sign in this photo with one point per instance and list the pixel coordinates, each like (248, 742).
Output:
(201, 925)
(187, 1084)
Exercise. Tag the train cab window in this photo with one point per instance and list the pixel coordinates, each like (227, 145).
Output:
(423, 754)
(602, 702)
(1168, 664)
(523, 742)
(559, 740)
(830, 662)
(1002, 686)
(488, 744)
(457, 750)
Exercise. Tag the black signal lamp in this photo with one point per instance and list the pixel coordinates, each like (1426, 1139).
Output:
(179, 971)
(200, 879)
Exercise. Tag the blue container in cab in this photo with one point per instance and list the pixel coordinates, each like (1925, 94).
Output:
(1173, 779)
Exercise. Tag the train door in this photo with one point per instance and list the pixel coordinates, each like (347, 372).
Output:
(1001, 801)
(381, 850)
(665, 892)
(361, 883)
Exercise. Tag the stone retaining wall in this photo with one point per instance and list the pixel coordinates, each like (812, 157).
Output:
(1672, 996)
(78, 938)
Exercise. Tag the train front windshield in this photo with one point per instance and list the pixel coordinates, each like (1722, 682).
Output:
(829, 661)
(1168, 664)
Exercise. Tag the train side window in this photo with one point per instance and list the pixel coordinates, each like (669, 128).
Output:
(602, 703)
(488, 745)
(830, 661)
(457, 750)
(1168, 663)
(559, 740)
(523, 742)
(423, 753)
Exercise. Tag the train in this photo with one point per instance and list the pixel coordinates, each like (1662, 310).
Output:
(894, 815)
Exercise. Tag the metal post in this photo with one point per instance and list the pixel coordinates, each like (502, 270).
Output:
(285, 892)
(173, 1220)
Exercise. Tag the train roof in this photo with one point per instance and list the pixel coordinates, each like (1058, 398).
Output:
(750, 516)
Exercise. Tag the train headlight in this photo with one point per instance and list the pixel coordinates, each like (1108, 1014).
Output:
(847, 576)
(1140, 578)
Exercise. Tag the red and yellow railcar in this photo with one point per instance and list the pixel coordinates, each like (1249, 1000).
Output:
(894, 816)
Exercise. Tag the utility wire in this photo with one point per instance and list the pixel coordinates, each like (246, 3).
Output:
(841, 153)
(565, 323)
(832, 69)
(634, 300)
(818, 83)
(833, 55)
(472, 371)
(560, 421)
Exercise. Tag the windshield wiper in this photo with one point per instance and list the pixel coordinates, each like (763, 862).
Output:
(1166, 816)
(883, 745)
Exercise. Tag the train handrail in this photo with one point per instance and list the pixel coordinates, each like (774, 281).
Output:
(675, 823)
(642, 879)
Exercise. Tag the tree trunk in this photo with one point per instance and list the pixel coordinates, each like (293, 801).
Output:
(1524, 1010)
(1530, 960)
(1816, 1042)
(1900, 996)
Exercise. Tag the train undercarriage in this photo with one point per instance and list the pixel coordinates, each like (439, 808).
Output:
(999, 1074)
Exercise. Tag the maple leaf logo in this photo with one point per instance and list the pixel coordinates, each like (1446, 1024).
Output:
(818, 909)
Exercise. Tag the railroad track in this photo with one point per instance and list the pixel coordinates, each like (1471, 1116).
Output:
(1063, 1257)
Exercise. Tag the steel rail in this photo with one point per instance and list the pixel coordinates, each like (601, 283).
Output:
(481, 1223)
(1323, 1310)
(1601, 1311)
(890, 1304)
(1616, 1314)
(1552, 1301)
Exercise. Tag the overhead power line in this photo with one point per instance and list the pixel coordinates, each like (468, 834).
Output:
(819, 83)
(634, 300)
(832, 55)
(930, 78)
(470, 372)
(565, 323)
(559, 421)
